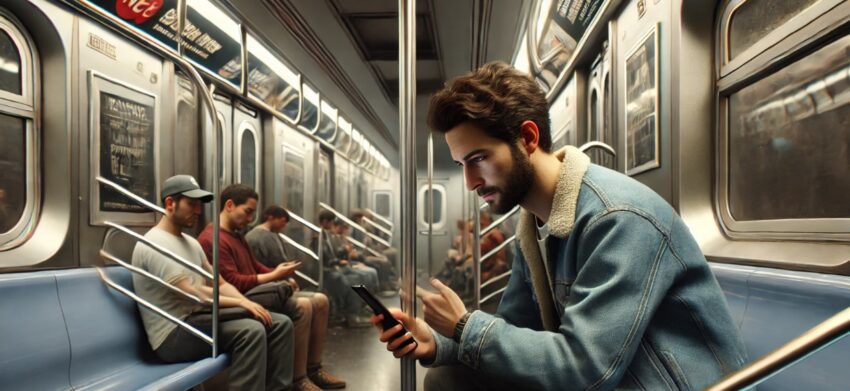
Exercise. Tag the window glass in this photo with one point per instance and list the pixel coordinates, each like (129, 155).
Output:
(10, 65)
(789, 140)
(325, 180)
(248, 159)
(310, 108)
(435, 217)
(382, 204)
(13, 171)
(756, 18)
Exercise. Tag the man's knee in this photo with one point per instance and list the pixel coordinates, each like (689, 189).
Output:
(320, 302)
(281, 324)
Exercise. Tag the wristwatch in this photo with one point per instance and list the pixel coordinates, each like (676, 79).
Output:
(459, 327)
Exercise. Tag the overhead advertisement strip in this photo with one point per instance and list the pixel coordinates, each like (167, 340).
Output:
(211, 39)
(271, 81)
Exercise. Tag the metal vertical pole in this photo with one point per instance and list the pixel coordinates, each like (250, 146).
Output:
(182, 16)
(407, 121)
(430, 153)
(476, 258)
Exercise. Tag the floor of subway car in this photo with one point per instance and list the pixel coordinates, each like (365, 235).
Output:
(356, 356)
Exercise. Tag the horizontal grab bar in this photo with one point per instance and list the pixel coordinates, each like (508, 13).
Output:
(154, 308)
(497, 278)
(380, 218)
(379, 227)
(299, 246)
(497, 248)
(303, 221)
(363, 246)
(492, 295)
(498, 221)
(307, 278)
(130, 195)
(161, 250)
(355, 225)
(143, 272)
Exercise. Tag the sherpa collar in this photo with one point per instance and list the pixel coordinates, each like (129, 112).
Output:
(561, 220)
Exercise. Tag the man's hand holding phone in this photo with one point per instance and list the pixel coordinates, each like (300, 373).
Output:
(424, 348)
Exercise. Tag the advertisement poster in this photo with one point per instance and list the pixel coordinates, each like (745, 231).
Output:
(642, 106)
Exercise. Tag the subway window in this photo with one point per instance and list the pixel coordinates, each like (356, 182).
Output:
(18, 136)
(785, 141)
(248, 157)
(383, 204)
(754, 19)
(436, 216)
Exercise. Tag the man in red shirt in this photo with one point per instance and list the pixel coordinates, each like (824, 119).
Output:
(269, 287)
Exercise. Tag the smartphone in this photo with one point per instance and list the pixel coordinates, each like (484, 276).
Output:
(378, 308)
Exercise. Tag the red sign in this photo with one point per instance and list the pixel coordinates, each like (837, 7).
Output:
(138, 11)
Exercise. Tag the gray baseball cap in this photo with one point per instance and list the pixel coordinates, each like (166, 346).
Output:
(185, 185)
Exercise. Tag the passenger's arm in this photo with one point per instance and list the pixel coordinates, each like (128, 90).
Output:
(625, 269)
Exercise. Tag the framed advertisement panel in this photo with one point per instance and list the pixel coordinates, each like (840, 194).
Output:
(642, 105)
(124, 129)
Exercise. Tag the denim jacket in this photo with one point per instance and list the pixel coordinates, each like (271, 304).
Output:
(627, 302)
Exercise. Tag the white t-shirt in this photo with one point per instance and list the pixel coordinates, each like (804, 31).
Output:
(171, 272)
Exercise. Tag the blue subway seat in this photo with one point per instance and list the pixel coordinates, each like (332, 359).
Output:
(774, 306)
(103, 343)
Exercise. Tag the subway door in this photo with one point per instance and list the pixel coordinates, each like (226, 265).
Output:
(247, 134)
(224, 112)
(599, 109)
(433, 237)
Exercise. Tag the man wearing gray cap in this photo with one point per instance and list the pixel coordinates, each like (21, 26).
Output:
(259, 342)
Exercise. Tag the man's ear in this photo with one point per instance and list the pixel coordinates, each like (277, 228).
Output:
(530, 136)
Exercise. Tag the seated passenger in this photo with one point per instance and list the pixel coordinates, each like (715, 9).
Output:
(338, 275)
(610, 290)
(356, 260)
(387, 275)
(260, 349)
(271, 287)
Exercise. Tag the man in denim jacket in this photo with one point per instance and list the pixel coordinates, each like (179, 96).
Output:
(609, 290)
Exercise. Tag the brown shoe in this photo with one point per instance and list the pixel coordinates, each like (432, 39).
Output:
(304, 384)
(323, 379)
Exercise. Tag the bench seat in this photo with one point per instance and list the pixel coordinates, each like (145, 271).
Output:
(70, 331)
(772, 307)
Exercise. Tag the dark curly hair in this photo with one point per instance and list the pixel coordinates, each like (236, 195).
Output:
(495, 97)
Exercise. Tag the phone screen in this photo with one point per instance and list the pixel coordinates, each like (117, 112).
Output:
(378, 308)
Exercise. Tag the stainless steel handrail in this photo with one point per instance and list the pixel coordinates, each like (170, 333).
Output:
(309, 252)
(162, 282)
(498, 248)
(304, 221)
(130, 194)
(162, 250)
(379, 217)
(817, 338)
(363, 246)
(483, 206)
(354, 225)
(497, 278)
(597, 144)
(153, 308)
(492, 295)
(499, 221)
(299, 246)
(379, 227)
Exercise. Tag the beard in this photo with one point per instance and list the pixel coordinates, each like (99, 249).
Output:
(519, 182)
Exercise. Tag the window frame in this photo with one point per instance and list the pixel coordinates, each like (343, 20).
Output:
(727, 64)
(731, 78)
(247, 126)
(24, 106)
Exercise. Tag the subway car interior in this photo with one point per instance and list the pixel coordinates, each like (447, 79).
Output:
(735, 112)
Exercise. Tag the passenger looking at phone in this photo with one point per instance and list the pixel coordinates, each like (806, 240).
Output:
(609, 290)
(356, 260)
(271, 287)
(260, 348)
(339, 276)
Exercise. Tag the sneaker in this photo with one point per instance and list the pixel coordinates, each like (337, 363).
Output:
(325, 380)
(304, 384)
(354, 321)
